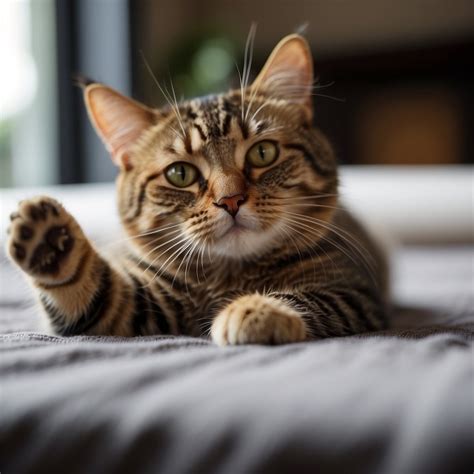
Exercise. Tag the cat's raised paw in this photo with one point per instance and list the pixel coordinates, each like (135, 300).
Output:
(42, 236)
(258, 319)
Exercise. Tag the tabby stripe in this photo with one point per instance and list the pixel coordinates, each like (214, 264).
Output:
(95, 310)
(379, 317)
(146, 304)
(354, 301)
(203, 185)
(300, 303)
(191, 114)
(261, 127)
(308, 157)
(244, 128)
(323, 247)
(159, 274)
(330, 302)
(322, 313)
(123, 308)
(141, 196)
(159, 316)
(178, 312)
(140, 312)
(312, 320)
(173, 281)
(313, 330)
(187, 144)
(227, 108)
(200, 131)
(307, 304)
(54, 314)
(291, 259)
(226, 124)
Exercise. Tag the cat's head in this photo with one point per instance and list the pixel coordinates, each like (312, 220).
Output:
(234, 173)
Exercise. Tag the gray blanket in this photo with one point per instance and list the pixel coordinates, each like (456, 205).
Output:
(397, 402)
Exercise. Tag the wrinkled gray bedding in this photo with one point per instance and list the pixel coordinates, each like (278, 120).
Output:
(397, 402)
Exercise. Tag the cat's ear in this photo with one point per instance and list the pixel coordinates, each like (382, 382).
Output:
(118, 120)
(288, 72)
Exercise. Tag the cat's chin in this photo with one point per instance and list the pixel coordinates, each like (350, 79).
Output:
(240, 242)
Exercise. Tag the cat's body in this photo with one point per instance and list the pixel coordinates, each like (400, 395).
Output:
(235, 230)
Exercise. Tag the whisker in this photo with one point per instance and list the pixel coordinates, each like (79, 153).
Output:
(176, 107)
(156, 248)
(202, 258)
(160, 245)
(310, 245)
(289, 91)
(337, 99)
(322, 236)
(165, 93)
(248, 56)
(189, 259)
(271, 130)
(143, 234)
(342, 233)
(311, 196)
(241, 90)
(317, 85)
(259, 109)
(288, 234)
(322, 206)
(190, 247)
(184, 239)
(196, 264)
(164, 266)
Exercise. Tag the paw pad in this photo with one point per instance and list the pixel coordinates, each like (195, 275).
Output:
(48, 254)
(20, 252)
(41, 236)
(26, 233)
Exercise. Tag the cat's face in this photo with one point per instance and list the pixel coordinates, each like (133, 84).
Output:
(233, 174)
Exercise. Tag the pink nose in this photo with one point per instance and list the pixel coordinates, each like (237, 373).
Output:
(231, 203)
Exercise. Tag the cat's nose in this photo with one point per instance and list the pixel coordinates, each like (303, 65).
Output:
(231, 203)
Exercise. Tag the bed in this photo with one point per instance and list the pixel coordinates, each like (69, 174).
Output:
(397, 402)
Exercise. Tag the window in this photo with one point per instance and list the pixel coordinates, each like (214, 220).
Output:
(28, 125)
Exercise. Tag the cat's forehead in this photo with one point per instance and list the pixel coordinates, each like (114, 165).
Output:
(212, 115)
(215, 121)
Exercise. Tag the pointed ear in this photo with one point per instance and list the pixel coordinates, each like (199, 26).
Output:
(118, 120)
(288, 72)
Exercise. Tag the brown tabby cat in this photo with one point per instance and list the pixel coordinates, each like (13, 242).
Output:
(231, 206)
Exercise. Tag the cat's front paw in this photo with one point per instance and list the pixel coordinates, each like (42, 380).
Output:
(258, 319)
(43, 238)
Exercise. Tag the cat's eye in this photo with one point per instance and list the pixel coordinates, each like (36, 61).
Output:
(181, 174)
(262, 154)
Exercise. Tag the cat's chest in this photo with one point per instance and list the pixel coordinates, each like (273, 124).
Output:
(239, 279)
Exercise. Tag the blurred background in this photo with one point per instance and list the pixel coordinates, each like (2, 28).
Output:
(397, 78)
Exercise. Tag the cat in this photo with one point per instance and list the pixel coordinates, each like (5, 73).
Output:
(235, 231)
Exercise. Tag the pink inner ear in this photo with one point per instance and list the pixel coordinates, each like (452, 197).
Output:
(288, 71)
(293, 59)
(119, 121)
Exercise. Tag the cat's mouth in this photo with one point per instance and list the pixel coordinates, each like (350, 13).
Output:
(234, 229)
(241, 237)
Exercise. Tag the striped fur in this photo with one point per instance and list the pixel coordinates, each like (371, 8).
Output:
(292, 265)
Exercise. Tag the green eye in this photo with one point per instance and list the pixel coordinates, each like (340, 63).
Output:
(262, 154)
(181, 174)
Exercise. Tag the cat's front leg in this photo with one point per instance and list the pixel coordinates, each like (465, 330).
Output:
(297, 315)
(258, 319)
(76, 286)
